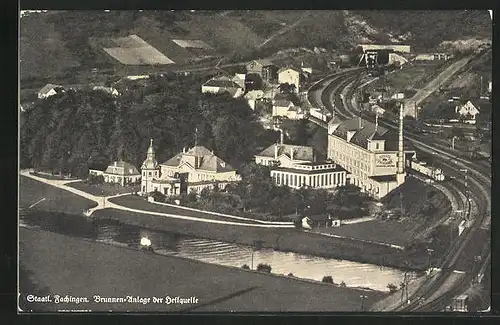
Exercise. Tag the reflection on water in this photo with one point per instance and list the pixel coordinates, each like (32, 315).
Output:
(212, 251)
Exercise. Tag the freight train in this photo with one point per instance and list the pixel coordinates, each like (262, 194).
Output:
(422, 168)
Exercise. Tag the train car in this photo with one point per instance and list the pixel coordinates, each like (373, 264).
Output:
(320, 114)
(422, 168)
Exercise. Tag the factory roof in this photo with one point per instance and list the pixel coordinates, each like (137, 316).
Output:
(304, 153)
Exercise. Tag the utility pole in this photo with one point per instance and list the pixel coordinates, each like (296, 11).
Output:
(429, 253)
(363, 297)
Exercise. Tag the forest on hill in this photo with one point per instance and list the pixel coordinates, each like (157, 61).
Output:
(78, 129)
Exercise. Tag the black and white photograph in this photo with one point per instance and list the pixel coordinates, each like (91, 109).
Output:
(236, 161)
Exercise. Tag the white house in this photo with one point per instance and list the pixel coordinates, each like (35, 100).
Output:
(49, 90)
(221, 85)
(295, 166)
(110, 90)
(239, 79)
(253, 96)
(281, 107)
(398, 96)
(189, 171)
(290, 76)
(306, 68)
(467, 109)
(120, 172)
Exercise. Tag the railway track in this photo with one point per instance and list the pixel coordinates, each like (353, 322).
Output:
(472, 240)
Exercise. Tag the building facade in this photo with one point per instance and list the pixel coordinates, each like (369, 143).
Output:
(189, 171)
(296, 166)
(372, 155)
(324, 175)
(290, 76)
(270, 73)
(221, 85)
(119, 172)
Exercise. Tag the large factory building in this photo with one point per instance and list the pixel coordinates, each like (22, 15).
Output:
(374, 156)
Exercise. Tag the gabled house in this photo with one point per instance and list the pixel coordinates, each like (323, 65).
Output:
(281, 107)
(239, 79)
(256, 66)
(110, 90)
(285, 155)
(473, 109)
(221, 85)
(290, 76)
(49, 90)
(120, 172)
(253, 97)
(467, 109)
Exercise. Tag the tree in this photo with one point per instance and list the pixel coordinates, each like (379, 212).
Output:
(392, 287)
(286, 88)
(327, 279)
(264, 268)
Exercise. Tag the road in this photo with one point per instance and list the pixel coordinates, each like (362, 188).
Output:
(104, 202)
(434, 85)
(473, 242)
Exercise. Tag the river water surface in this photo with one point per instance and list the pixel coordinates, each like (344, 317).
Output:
(353, 274)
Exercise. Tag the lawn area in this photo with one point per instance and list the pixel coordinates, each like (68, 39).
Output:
(109, 271)
(287, 240)
(141, 203)
(423, 206)
(105, 189)
(56, 200)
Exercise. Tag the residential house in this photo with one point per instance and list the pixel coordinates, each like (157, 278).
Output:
(290, 76)
(253, 97)
(398, 96)
(295, 113)
(270, 73)
(256, 66)
(296, 166)
(306, 68)
(221, 85)
(189, 171)
(110, 90)
(239, 79)
(472, 108)
(281, 107)
(119, 172)
(49, 90)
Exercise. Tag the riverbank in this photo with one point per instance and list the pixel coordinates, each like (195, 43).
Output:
(287, 240)
(57, 264)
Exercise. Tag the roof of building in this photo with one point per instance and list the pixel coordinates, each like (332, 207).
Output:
(337, 168)
(271, 65)
(283, 103)
(482, 104)
(209, 161)
(254, 94)
(48, 87)
(222, 83)
(303, 153)
(367, 132)
(288, 68)
(122, 168)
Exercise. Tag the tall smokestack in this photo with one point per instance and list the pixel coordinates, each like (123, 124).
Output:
(376, 122)
(400, 141)
(281, 136)
(276, 151)
(359, 122)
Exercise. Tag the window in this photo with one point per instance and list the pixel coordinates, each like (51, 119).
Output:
(149, 174)
(295, 180)
(376, 145)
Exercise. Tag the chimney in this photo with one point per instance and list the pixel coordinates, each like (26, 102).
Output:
(291, 153)
(281, 136)
(115, 164)
(276, 151)
(184, 150)
(400, 142)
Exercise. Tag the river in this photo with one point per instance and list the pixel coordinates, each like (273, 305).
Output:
(353, 274)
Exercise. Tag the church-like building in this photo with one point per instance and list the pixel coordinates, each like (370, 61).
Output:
(191, 170)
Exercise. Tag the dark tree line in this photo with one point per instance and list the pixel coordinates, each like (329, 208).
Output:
(75, 130)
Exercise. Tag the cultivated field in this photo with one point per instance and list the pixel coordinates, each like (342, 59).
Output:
(133, 50)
